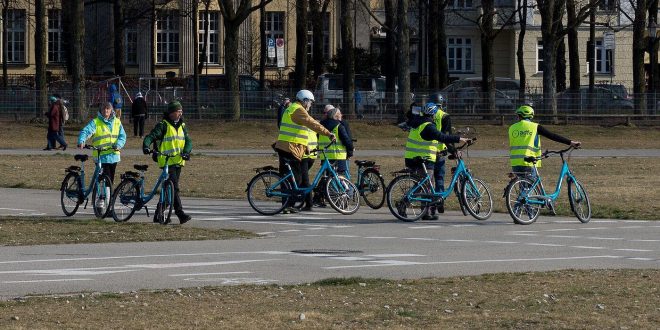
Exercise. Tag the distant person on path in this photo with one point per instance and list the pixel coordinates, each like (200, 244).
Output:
(139, 113)
(106, 131)
(172, 136)
(55, 124)
(116, 100)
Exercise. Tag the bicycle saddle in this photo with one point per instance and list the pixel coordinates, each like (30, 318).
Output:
(420, 160)
(365, 163)
(72, 169)
(403, 171)
(140, 167)
(265, 168)
(81, 158)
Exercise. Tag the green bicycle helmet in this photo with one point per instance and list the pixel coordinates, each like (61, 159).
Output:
(525, 111)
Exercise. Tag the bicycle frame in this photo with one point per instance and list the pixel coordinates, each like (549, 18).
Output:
(164, 175)
(98, 170)
(565, 172)
(461, 169)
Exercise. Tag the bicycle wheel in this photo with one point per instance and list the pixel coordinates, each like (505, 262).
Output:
(342, 195)
(458, 190)
(372, 188)
(517, 195)
(70, 194)
(164, 208)
(398, 199)
(125, 199)
(101, 196)
(477, 199)
(579, 200)
(264, 193)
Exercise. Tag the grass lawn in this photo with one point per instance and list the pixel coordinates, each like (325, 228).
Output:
(566, 299)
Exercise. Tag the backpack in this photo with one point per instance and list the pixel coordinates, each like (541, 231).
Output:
(65, 113)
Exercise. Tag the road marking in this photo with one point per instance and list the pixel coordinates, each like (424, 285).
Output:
(561, 229)
(501, 242)
(195, 264)
(424, 227)
(10, 209)
(642, 259)
(40, 281)
(545, 244)
(645, 240)
(607, 238)
(381, 237)
(289, 231)
(217, 219)
(589, 247)
(199, 274)
(563, 236)
(395, 255)
(201, 212)
(351, 258)
(474, 261)
(633, 250)
(232, 281)
(420, 239)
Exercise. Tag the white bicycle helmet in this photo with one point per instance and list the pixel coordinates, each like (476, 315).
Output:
(304, 94)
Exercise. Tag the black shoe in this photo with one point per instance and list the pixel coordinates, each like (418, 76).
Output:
(157, 214)
(440, 208)
(64, 147)
(430, 217)
(47, 149)
(290, 210)
(306, 208)
(183, 218)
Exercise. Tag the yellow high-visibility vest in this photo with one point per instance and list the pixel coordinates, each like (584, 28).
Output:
(104, 137)
(338, 150)
(524, 141)
(312, 143)
(416, 146)
(173, 143)
(437, 120)
(290, 131)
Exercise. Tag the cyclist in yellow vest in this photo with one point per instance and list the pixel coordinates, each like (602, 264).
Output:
(105, 130)
(306, 164)
(423, 142)
(173, 137)
(339, 152)
(442, 122)
(292, 141)
(525, 140)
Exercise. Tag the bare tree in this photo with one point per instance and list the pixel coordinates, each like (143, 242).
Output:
(520, 51)
(403, 38)
(639, 47)
(317, 11)
(6, 5)
(348, 56)
(119, 39)
(75, 11)
(262, 45)
(233, 16)
(40, 56)
(300, 74)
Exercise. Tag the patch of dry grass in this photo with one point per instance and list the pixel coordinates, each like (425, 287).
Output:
(632, 180)
(37, 231)
(379, 135)
(568, 299)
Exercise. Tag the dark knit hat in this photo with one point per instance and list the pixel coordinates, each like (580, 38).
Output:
(174, 106)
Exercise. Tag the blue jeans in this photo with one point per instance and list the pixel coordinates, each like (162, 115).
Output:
(54, 138)
(439, 174)
(342, 167)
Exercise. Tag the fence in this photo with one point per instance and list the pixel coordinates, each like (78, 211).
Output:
(21, 104)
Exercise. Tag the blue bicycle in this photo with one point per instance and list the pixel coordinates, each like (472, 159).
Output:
(73, 191)
(269, 193)
(410, 195)
(525, 195)
(130, 196)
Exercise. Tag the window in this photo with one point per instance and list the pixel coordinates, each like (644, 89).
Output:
(459, 54)
(603, 62)
(607, 5)
(55, 49)
(326, 38)
(212, 54)
(167, 37)
(15, 36)
(274, 30)
(539, 56)
(131, 44)
(457, 4)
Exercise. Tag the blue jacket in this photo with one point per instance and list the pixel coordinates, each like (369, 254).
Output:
(90, 129)
(115, 97)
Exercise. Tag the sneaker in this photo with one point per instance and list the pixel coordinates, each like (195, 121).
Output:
(440, 208)
(157, 214)
(290, 210)
(306, 208)
(183, 218)
(401, 208)
(430, 217)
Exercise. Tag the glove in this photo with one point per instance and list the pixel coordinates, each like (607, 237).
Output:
(146, 151)
(185, 156)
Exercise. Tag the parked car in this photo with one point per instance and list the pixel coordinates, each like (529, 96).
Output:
(330, 90)
(618, 89)
(508, 86)
(605, 102)
(472, 100)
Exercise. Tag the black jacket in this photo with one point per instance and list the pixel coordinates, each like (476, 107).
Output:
(430, 132)
(344, 134)
(139, 107)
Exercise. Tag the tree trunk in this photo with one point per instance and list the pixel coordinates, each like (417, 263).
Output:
(300, 74)
(5, 57)
(443, 80)
(520, 52)
(403, 37)
(77, 11)
(434, 47)
(639, 46)
(40, 55)
(231, 63)
(318, 18)
(348, 57)
(263, 46)
(389, 59)
(573, 47)
(119, 28)
(487, 38)
(560, 66)
(653, 17)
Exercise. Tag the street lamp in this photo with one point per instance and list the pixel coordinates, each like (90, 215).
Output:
(653, 54)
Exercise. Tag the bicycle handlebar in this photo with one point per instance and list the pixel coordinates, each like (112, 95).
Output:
(91, 147)
(547, 153)
(316, 150)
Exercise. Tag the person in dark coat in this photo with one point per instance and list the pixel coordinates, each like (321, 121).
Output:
(139, 113)
(55, 122)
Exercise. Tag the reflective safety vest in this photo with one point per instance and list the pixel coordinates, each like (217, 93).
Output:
(312, 143)
(416, 146)
(524, 141)
(290, 131)
(437, 120)
(337, 150)
(104, 137)
(173, 142)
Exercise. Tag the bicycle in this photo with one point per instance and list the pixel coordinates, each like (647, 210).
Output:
(370, 183)
(525, 195)
(130, 196)
(410, 195)
(269, 193)
(73, 191)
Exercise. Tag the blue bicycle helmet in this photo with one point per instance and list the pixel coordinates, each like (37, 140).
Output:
(430, 109)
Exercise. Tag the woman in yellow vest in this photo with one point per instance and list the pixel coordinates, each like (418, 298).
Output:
(423, 142)
(339, 152)
(292, 141)
(525, 140)
(105, 130)
(442, 122)
(173, 137)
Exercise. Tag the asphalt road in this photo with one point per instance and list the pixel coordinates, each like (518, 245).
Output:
(315, 245)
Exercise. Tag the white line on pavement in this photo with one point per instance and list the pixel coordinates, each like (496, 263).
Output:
(39, 281)
(198, 274)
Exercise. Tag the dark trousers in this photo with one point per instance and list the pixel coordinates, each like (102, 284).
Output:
(296, 167)
(306, 164)
(109, 170)
(138, 125)
(175, 173)
(53, 138)
(439, 173)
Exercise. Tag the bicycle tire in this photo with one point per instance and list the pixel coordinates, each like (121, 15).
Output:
(521, 212)
(260, 190)
(70, 192)
(102, 189)
(579, 200)
(477, 199)
(166, 201)
(398, 202)
(342, 195)
(372, 188)
(458, 190)
(125, 199)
